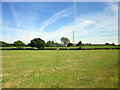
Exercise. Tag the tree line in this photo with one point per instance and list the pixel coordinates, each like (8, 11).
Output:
(40, 43)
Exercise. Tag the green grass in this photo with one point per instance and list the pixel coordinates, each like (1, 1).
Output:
(104, 46)
(83, 47)
(60, 69)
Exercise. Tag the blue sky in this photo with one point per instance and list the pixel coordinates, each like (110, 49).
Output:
(92, 22)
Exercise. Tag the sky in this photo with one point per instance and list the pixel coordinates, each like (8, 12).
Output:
(92, 22)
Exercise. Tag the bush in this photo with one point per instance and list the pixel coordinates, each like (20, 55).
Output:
(69, 45)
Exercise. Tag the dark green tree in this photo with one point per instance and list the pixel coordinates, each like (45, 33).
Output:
(50, 44)
(19, 44)
(37, 42)
(79, 43)
(107, 44)
(57, 44)
(10, 45)
(65, 40)
(30, 45)
(70, 44)
(113, 44)
(3, 44)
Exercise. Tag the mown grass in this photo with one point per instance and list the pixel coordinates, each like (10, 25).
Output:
(60, 69)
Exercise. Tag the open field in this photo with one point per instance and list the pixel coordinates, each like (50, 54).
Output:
(60, 69)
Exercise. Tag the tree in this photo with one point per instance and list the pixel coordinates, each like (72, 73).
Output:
(37, 42)
(57, 44)
(10, 45)
(19, 44)
(30, 45)
(70, 44)
(65, 40)
(79, 43)
(113, 44)
(3, 44)
(50, 44)
(107, 44)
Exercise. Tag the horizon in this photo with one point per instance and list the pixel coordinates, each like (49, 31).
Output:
(92, 22)
(70, 42)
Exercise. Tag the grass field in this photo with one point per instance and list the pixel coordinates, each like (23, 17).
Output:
(60, 69)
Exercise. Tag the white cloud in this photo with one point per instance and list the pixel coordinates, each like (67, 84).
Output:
(91, 25)
(54, 18)
(90, 28)
(24, 18)
(88, 21)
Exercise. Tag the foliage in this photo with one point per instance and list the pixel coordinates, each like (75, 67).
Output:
(10, 45)
(3, 44)
(68, 48)
(37, 42)
(113, 44)
(50, 44)
(107, 44)
(65, 40)
(30, 45)
(19, 44)
(79, 43)
(70, 44)
(57, 44)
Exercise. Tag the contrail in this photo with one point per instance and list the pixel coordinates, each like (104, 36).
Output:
(74, 6)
